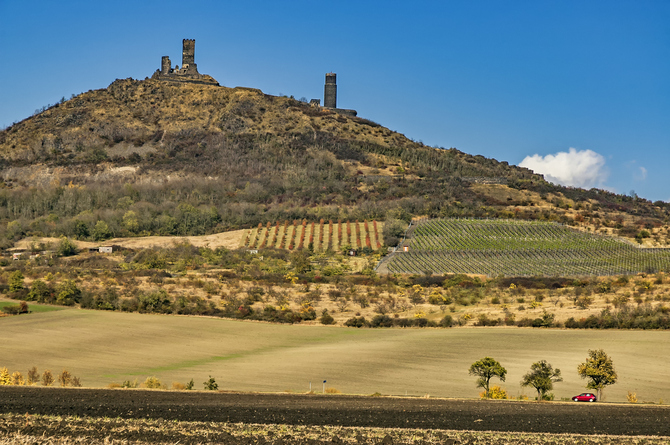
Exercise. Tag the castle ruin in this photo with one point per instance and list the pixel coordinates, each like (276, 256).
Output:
(330, 96)
(189, 73)
(189, 69)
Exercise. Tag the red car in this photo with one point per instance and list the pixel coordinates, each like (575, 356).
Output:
(585, 397)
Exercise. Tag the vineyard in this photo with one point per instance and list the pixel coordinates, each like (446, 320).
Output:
(318, 237)
(519, 248)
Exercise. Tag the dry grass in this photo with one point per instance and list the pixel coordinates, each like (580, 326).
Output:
(229, 240)
(103, 347)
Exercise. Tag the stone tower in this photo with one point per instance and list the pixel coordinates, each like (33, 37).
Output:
(166, 65)
(188, 54)
(330, 91)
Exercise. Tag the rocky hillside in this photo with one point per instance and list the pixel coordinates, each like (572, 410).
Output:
(163, 158)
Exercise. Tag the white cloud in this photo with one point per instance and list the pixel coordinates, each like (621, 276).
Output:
(641, 174)
(583, 168)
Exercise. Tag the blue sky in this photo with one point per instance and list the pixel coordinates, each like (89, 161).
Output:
(585, 82)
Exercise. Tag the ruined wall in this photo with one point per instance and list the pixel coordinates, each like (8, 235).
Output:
(166, 65)
(330, 91)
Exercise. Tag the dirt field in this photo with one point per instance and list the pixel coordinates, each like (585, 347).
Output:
(229, 240)
(341, 410)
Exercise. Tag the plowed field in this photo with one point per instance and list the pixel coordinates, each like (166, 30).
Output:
(445, 414)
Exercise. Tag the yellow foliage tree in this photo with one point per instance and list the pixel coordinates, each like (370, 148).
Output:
(5, 378)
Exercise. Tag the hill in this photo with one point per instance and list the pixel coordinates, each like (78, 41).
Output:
(197, 159)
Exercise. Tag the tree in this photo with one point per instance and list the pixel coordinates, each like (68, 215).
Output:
(68, 293)
(16, 281)
(101, 231)
(542, 377)
(393, 230)
(599, 369)
(66, 247)
(485, 369)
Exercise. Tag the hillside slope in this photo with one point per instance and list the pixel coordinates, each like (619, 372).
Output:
(196, 159)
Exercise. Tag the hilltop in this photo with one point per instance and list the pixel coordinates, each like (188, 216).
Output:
(198, 158)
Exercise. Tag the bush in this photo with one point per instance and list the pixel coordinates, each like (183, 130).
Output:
(211, 385)
(153, 383)
(326, 318)
(333, 391)
(381, 321)
(447, 321)
(357, 322)
(495, 392)
(484, 320)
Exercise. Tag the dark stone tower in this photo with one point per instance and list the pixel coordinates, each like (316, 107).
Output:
(330, 91)
(188, 54)
(166, 65)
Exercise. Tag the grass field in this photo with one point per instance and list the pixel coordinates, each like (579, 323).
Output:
(35, 308)
(102, 347)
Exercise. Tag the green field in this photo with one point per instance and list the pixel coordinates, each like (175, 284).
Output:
(35, 308)
(102, 347)
(519, 248)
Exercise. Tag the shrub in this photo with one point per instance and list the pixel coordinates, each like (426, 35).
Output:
(75, 382)
(47, 378)
(484, 320)
(189, 385)
(357, 322)
(584, 301)
(178, 386)
(495, 392)
(631, 397)
(381, 321)
(130, 384)
(211, 385)
(326, 318)
(333, 391)
(153, 383)
(447, 321)
(13, 309)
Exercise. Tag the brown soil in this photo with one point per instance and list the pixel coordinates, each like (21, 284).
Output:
(350, 411)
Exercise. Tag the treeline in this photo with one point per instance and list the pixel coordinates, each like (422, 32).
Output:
(644, 316)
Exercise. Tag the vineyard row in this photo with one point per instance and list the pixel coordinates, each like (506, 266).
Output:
(319, 237)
